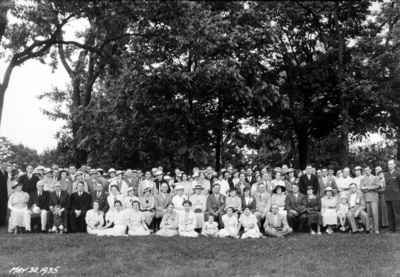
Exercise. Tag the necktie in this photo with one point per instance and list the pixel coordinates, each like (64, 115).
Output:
(275, 220)
(58, 194)
(29, 176)
(98, 195)
(40, 193)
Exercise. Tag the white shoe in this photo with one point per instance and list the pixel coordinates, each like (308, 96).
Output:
(312, 233)
(319, 233)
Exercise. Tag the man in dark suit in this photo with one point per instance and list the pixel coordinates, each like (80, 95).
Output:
(80, 204)
(392, 197)
(250, 179)
(3, 193)
(101, 197)
(295, 205)
(37, 199)
(29, 180)
(216, 205)
(61, 198)
(209, 173)
(308, 179)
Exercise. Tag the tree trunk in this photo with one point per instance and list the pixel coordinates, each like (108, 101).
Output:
(302, 139)
(344, 138)
(218, 152)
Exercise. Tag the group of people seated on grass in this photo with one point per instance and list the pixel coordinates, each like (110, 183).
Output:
(235, 204)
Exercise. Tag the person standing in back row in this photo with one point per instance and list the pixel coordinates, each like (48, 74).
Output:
(307, 180)
(392, 197)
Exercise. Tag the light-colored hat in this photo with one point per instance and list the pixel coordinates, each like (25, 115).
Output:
(78, 173)
(357, 168)
(166, 177)
(47, 170)
(93, 171)
(230, 206)
(101, 170)
(328, 189)
(146, 189)
(159, 172)
(198, 186)
(196, 174)
(35, 210)
(111, 170)
(277, 169)
(40, 167)
(178, 187)
(119, 172)
(129, 189)
(290, 170)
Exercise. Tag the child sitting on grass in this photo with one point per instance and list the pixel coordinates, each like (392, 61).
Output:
(57, 220)
(210, 228)
(342, 209)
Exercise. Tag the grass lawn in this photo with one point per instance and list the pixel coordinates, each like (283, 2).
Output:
(298, 255)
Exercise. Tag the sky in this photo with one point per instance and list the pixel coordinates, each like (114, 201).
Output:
(23, 122)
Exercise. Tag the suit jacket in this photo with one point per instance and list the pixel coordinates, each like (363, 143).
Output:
(263, 204)
(29, 184)
(42, 202)
(281, 221)
(214, 204)
(3, 184)
(160, 203)
(134, 182)
(291, 203)
(304, 182)
(91, 185)
(209, 178)
(360, 201)
(63, 201)
(251, 205)
(392, 191)
(80, 203)
(370, 186)
(330, 182)
(253, 180)
(102, 200)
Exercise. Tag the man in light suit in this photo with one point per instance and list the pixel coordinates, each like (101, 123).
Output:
(216, 205)
(356, 203)
(29, 180)
(263, 203)
(131, 179)
(100, 196)
(146, 183)
(324, 182)
(307, 180)
(38, 198)
(392, 197)
(161, 201)
(275, 224)
(61, 198)
(91, 182)
(295, 205)
(369, 186)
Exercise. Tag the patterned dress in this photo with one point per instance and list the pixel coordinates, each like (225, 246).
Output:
(135, 223)
(169, 225)
(94, 219)
(17, 203)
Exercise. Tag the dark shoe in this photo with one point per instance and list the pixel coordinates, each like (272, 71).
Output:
(65, 231)
(367, 232)
(354, 233)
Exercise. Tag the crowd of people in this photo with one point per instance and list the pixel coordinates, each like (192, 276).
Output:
(230, 203)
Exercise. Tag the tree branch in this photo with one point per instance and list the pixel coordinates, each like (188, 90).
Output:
(61, 53)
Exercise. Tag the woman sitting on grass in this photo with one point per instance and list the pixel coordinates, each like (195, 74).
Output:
(94, 219)
(169, 223)
(187, 221)
(210, 228)
(130, 198)
(249, 223)
(147, 207)
(118, 220)
(136, 221)
(230, 224)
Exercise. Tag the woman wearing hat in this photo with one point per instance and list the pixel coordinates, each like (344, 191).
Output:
(290, 180)
(111, 200)
(94, 219)
(147, 206)
(247, 200)
(328, 210)
(250, 224)
(199, 201)
(118, 220)
(278, 179)
(128, 200)
(178, 199)
(18, 204)
(187, 221)
(230, 224)
(169, 223)
(65, 182)
(383, 218)
(279, 198)
(313, 207)
(136, 221)
(187, 186)
(121, 184)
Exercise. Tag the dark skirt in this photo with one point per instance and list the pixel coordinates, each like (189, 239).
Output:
(314, 218)
(383, 219)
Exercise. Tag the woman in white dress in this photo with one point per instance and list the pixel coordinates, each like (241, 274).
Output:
(169, 223)
(279, 198)
(328, 210)
(120, 183)
(178, 199)
(127, 203)
(249, 223)
(230, 224)
(111, 200)
(187, 186)
(136, 221)
(199, 202)
(94, 219)
(187, 221)
(147, 206)
(119, 221)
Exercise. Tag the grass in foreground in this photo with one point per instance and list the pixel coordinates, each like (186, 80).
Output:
(297, 255)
